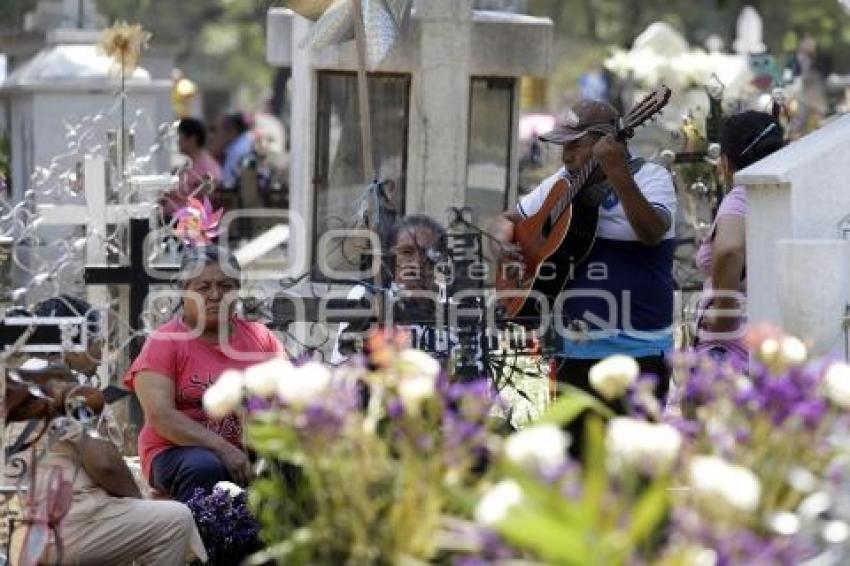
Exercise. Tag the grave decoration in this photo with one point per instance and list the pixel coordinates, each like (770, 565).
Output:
(749, 466)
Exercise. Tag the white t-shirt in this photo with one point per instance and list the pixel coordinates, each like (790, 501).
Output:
(637, 277)
(653, 180)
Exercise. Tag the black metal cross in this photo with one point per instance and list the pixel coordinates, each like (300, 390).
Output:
(135, 276)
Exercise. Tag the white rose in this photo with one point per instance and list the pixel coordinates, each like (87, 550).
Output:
(418, 362)
(836, 384)
(261, 379)
(612, 376)
(720, 485)
(538, 447)
(413, 390)
(231, 488)
(792, 351)
(497, 501)
(305, 384)
(225, 395)
(638, 445)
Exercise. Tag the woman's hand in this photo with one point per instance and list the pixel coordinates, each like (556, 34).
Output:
(237, 463)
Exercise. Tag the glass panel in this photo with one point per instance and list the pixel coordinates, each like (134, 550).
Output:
(339, 179)
(489, 156)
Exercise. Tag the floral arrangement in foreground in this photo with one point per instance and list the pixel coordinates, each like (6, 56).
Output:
(390, 461)
(225, 524)
(364, 461)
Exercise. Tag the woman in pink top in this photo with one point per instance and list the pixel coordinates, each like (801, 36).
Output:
(202, 167)
(745, 138)
(181, 448)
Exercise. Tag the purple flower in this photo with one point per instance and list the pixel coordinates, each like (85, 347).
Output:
(225, 524)
(811, 412)
(395, 408)
(687, 428)
(326, 417)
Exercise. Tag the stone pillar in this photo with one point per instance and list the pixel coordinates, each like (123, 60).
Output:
(768, 222)
(439, 107)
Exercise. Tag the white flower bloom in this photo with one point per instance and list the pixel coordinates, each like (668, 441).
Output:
(721, 485)
(612, 376)
(635, 445)
(792, 351)
(305, 384)
(225, 395)
(418, 362)
(231, 488)
(538, 447)
(497, 501)
(768, 350)
(836, 384)
(415, 389)
(262, 379)
(418, 373)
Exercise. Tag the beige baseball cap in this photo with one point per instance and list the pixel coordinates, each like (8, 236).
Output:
(586, 116)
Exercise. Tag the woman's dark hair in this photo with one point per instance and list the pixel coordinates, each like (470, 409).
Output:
(193, 128)
(415, 222)
(68, 306)
(194, 261)
(238, 121)
(749, 137)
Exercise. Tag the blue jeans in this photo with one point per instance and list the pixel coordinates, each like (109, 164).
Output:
(179, 471)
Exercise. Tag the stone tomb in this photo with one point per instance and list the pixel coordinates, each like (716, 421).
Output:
(65, 82)
(444, 105)
(797, 231)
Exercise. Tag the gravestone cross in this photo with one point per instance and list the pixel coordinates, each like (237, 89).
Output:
(96, 215)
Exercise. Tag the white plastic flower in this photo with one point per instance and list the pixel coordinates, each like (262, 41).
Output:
(612, 376)
(792, 351)
(538, 448)
(723, 486)
(836, 384)
(231, 488)
(262, 379)
(418, 362)
(415, 389)
(418, 373)
(635, 445)
(497, 502)
(225, 395)
(305, 384)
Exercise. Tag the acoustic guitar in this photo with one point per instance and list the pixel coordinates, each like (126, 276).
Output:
(558, 238)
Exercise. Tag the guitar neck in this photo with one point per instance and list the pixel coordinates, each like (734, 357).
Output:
(576, 185)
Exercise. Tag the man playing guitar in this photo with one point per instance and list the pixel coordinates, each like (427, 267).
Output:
(620, 296)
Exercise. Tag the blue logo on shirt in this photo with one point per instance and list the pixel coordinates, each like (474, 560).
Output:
(610, 201)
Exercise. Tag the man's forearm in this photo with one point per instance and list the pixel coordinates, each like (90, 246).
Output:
(107, 469)
(502, 230)
(649, 223)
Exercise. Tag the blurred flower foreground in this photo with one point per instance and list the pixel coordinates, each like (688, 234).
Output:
(389, 460)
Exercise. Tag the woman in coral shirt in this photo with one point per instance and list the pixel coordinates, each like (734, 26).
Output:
(181, 447)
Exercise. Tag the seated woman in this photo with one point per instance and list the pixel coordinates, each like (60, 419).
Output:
(108, 522)
(745, 138)
(181, 448)
(415, 244)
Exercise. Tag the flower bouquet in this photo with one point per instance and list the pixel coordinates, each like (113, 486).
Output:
(753, 470)
(364, 460)
(762, 452)
(225, 524)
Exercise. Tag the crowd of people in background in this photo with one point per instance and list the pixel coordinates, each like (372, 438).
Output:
(236, 163)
